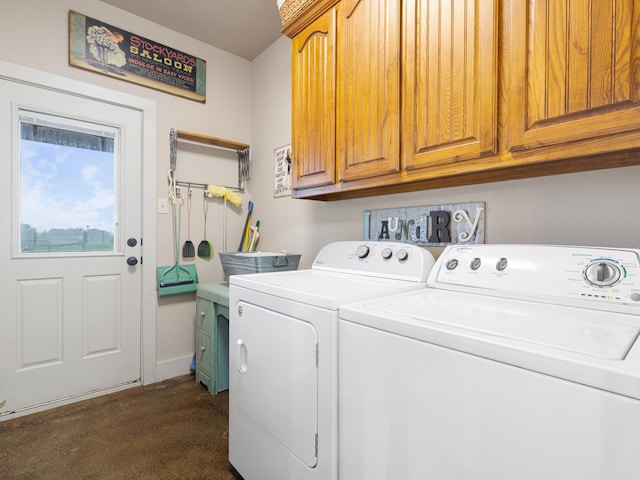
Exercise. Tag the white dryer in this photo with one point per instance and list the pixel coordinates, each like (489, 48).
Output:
(283, 365)
(516, 362)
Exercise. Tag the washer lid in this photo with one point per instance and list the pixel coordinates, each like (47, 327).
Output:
(322, 289)
(590, 347)
(588, 332)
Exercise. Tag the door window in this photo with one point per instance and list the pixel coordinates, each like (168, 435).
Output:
(67, 196)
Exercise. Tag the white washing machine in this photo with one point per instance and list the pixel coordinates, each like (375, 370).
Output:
(516, 362)
(283, 365)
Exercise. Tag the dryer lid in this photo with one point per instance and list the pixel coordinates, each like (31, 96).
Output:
(322, 289)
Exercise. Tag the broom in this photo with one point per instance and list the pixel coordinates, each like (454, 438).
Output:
(245, 230)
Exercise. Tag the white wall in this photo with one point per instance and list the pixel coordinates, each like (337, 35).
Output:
(594, 208)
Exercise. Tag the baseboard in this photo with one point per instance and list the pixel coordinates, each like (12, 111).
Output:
(173, 368)
(164, 371)
(66, 401)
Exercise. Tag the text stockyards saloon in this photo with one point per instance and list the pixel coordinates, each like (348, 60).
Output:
(98, 46)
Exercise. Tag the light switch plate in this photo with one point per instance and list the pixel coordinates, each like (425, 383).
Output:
(163, 205)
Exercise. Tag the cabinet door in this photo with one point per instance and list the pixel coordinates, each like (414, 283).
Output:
(368, 88)
(313, 104)
(204, 314)
(575, 68)
(449, 81)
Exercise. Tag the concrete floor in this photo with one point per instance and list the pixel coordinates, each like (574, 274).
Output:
(169, 430)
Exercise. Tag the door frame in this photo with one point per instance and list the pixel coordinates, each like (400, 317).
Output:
(37, 78)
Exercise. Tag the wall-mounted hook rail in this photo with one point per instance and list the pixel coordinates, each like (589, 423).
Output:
(205, 186)
(242, 150)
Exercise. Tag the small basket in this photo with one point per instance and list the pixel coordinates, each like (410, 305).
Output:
(257, 262)
(291, 9)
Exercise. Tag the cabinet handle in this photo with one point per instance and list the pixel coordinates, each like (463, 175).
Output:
(202, 314)
(202, 348)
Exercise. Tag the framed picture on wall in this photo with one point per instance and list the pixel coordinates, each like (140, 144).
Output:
(282, 171)
(103, 48)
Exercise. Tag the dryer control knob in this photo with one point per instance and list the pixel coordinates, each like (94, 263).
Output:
(402, 254)
(475, 264)
(387, 253)
(501, 265)
(602, 273)
(362, 251)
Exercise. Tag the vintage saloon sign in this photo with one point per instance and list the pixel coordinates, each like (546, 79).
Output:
(103, 48)
(436, 225)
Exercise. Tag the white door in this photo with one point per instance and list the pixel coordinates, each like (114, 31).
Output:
(71, 304)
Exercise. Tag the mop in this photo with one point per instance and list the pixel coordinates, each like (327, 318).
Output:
(177, 278)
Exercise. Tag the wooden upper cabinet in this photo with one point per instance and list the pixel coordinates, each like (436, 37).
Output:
(574, 70)
(398, 95)
(368, 88)
(449, 81)
(313, 104)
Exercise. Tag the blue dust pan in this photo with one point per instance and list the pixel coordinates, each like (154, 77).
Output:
(176, 279)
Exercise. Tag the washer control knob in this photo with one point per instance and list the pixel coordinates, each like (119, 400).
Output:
(475, 263)
(387, 253)
(452, 264)
(602, 273)
(402, 254)
(362, 251)
(502, 264)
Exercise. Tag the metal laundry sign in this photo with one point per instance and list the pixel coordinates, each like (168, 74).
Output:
(434, 225)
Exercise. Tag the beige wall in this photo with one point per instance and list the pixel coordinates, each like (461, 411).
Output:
(250, 102)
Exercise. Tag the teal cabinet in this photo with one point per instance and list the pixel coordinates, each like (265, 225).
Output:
(212, 336)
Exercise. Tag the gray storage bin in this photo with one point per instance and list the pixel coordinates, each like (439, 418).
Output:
(257, 262)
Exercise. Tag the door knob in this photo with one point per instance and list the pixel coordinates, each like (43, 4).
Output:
(132, 261)
(132, 242)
